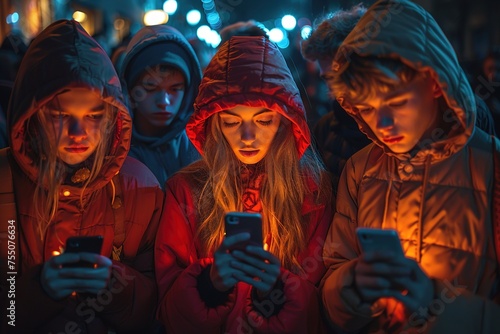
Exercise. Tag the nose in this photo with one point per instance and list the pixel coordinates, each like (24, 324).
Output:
(164, 97)
(76, 129)
(247, 133)
(385, 119)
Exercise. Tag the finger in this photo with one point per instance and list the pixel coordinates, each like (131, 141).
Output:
(229, 242)
(412, 304)
(85, 273)
(83, 285)
(372, 282)
(260, 285)
(257, 264)
(65, 258)
(381, 269)
(262, 253)
(383, 256)
(100, 260)
(253, 272)
(371, 295)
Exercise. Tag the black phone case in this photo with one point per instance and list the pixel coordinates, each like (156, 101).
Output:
(240, 222)
(88, 244)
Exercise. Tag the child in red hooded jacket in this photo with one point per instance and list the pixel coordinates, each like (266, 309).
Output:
(69, 138)
(249, 125)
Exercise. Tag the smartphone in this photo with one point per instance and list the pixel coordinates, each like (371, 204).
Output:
(239, 222)
(88, 244)
(375, 239)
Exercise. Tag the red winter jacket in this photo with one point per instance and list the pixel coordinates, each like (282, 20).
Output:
(63, 55)
(245, 71)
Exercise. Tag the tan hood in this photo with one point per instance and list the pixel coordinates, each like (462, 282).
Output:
(405, 31)
(62, 56)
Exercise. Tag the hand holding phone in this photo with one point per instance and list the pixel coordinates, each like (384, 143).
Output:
(80, 268)
(384, 271)
(241, 256)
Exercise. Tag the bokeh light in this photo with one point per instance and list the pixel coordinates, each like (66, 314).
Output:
(170, 6)
(79, 16)
(276, 35)
(193, 17)
(288, 22)
(154, 17)
(305, 31)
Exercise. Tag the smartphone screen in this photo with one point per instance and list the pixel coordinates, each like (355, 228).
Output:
(374, 239)
(88, 244)
(240, 222)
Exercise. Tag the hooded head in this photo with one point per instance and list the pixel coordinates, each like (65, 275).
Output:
(248, 71)
(153, 46)
(60, 58)
(404, 32)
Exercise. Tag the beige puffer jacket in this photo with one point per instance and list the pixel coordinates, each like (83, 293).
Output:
(439, 200)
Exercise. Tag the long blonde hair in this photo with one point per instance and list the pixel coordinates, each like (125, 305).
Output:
(52, 170)
(286, 183)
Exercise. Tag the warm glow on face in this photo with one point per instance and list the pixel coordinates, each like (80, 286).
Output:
(400, 118)
(249, 131)
(73, 121)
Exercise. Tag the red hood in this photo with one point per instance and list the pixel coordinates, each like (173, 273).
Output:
(248, 71)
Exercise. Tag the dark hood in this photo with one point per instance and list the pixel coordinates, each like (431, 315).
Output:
(63, 56)
(179, 47)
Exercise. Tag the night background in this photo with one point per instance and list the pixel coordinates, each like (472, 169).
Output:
(472, 27)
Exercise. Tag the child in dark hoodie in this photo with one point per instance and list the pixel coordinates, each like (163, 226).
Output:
(161, 74)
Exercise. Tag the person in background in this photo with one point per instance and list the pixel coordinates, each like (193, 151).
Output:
(336, 134)
(487, 87)
(161, 74)
(242, 28)
(249, 125)
(428, 175)
(69, 138)
(203, 51)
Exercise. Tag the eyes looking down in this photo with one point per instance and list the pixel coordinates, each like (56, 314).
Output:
(249, 131)
(73, 120)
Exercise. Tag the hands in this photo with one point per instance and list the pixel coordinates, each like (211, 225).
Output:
(385, 274)
(254, 266)
(59, 282)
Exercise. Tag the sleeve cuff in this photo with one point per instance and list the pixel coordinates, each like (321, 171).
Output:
(275, 298)
(208, 293)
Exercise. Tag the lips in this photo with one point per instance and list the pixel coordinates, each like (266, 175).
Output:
(163, 114)
(76, 149)
(249, 153)
(392, 140)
